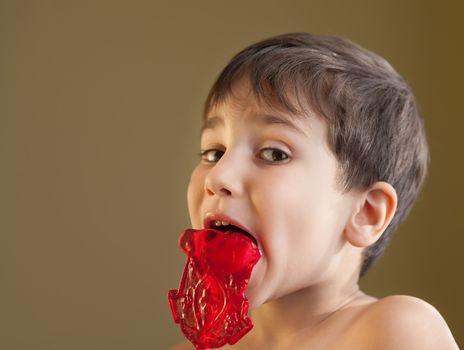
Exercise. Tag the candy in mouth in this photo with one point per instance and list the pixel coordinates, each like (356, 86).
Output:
(210, 304)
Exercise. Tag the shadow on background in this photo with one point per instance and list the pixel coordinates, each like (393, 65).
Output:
(100, 104)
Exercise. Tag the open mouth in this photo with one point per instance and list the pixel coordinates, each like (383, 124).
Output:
(230, 229)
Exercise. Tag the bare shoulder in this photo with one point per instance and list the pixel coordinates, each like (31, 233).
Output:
(405, 322)
(183, 346)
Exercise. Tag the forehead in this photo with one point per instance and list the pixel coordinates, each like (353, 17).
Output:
(242, 102)
(215, 121)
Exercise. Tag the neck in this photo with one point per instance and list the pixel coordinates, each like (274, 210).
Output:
(303, 311)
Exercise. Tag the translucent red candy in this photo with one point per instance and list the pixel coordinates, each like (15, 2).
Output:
(210, 305)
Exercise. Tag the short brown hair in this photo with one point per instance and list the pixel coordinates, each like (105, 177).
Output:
(375, 129)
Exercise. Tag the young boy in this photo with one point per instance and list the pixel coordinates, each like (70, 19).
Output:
(315, 147)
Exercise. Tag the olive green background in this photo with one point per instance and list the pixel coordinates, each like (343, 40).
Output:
(100, 104)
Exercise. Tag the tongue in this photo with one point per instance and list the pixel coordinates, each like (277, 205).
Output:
(210, 305)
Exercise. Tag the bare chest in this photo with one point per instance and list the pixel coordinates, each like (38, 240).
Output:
(345, 331)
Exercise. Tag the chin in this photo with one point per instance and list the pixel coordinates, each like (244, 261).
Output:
(255, 297)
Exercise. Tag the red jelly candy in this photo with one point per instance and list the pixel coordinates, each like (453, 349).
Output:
(210, 305)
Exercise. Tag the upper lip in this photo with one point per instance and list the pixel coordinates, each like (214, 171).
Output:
(211, 217)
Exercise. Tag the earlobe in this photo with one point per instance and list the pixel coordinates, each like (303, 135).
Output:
(374, 211)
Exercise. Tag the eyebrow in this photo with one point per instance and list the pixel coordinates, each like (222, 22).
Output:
(264, 119)
(212, 123)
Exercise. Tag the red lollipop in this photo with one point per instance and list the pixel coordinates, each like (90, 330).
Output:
(210, 305)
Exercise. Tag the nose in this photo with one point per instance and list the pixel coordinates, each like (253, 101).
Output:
(225, 178)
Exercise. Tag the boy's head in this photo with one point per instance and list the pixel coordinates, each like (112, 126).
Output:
(371, 124)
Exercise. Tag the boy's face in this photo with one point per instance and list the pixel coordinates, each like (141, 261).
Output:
(274, 175)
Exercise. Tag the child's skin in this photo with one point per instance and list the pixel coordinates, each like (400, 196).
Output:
(274, 173)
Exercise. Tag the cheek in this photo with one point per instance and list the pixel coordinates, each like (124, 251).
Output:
(195, 196)
(298, 208)
(288, 192)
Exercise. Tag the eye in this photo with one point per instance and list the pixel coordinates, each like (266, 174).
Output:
(273, 155)
(211, 155)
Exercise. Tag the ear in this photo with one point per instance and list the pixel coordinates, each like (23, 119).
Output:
(374, 211)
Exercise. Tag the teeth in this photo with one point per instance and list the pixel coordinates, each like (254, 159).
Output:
(220, 223)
